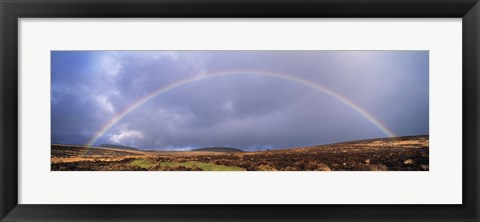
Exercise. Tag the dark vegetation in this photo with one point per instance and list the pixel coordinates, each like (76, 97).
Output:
(395, 154)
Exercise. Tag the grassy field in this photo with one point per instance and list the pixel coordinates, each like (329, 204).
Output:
(387, 154)
(194, 165)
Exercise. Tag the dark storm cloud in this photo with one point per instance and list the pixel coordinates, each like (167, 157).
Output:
(248, 111)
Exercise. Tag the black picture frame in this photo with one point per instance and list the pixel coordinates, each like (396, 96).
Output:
(12, 10)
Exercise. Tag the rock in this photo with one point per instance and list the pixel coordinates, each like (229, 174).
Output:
(424, 167)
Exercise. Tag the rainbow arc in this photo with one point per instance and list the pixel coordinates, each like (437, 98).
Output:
(163, 89)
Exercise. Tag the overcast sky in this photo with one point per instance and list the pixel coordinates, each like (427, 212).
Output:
(250, 112)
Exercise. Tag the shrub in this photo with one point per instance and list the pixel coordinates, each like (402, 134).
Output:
(377, 167)
(289, 168)
(264, 167)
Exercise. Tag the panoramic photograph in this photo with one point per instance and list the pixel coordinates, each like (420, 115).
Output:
(233, 110)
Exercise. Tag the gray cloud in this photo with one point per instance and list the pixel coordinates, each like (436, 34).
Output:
(248, 111)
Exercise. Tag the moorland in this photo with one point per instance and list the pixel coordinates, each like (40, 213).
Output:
(384, 154)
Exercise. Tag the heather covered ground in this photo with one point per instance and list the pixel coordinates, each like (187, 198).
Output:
(386, 154)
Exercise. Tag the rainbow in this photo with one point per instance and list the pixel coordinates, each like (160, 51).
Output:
(109, 124)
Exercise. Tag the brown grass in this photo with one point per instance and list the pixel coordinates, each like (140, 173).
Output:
(397, 154)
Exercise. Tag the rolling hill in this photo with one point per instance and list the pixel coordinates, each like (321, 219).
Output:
(118, 146)
(219, 149)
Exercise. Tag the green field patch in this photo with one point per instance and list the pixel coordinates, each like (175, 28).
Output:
(201, 165)
(143, 163)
